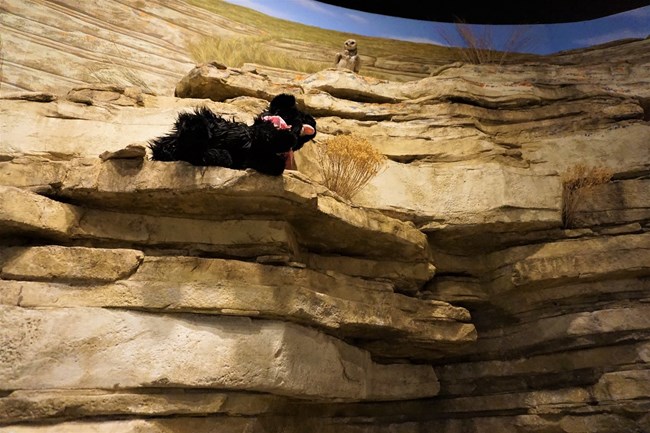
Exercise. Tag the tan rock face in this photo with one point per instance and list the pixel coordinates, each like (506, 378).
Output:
(336, 304)
(68, 264)
(25, 405)
(110, 41)
(554, 317)
(308, 208)
(447, 130)
(162, 295)
(137, 295)
(104, 349)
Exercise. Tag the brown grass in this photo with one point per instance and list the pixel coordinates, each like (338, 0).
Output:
(329, 42)
(347, 163)
(577, 184)
(235, 52)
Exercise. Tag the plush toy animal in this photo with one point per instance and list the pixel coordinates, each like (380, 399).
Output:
(202, 137)
(348, 58)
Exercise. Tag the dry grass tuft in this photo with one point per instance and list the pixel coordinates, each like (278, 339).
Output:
(347, 163)
(286, 34)
(481, 45)
(235, 52)
(577, 183)
(109, 72)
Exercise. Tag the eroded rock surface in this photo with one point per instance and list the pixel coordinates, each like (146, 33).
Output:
(448, 296)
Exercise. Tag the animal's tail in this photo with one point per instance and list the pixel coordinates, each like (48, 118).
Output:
(188, 140)
(163, 148)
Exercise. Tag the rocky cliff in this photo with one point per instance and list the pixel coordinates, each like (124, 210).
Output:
(52, 45)
(55, 45)
(450, 295)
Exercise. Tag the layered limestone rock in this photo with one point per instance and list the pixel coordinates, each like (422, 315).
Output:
(102, 349)
(273, 288)
(449, 295)
(491, 141)
(254, 289)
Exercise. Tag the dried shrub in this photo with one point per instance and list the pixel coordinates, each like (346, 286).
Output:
(347, 163)
(481, 46)
(577, 184)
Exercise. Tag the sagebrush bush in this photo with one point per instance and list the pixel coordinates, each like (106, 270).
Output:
(347, 163)
(577, 182)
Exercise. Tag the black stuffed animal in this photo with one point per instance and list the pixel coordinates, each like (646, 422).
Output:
(202, 137)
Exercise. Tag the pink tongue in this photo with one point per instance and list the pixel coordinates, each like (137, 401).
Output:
(277, 121)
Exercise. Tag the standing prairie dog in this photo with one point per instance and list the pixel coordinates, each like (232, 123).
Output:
(348, 58)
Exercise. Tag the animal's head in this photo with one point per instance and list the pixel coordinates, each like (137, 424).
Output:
(268, 139)
(301, 124)
(350, 45)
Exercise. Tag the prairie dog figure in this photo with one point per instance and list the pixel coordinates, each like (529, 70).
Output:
(348, 58)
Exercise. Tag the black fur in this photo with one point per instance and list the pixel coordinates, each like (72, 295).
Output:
(284, 105)
(202, 137)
